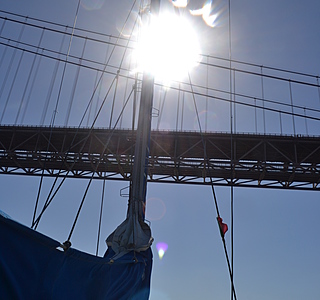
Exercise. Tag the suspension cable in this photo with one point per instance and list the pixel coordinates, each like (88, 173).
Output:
(86, 31)
(203, 94)
(9, 69)
(75, 82)
(65, 66)
(29, 77)
(199, 86)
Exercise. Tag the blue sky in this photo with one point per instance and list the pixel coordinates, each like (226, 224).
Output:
(276, 239)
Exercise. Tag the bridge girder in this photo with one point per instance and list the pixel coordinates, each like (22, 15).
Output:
(249, 160)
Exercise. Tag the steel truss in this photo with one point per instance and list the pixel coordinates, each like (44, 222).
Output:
(267, 161)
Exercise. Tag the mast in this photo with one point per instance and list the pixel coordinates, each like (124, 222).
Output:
(134, 233)
(138, 189)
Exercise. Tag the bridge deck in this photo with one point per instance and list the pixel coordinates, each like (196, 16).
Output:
(240, 160)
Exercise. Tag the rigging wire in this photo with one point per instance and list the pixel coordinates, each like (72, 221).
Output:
(100, 215)
(232, 101)
(280, 112)
(92, 176)
(49, 197)
(207, 167)
(48, 201)
(53, 119)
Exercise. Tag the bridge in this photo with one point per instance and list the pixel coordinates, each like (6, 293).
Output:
(268, 161)
(68, 110)
(252, 131)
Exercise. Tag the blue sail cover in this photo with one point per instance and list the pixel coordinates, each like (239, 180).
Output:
(32, 268)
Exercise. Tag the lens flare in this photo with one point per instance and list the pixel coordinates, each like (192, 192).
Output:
(92, 4)
(207, 14)
(156, 209)
(208, 120)
(162, 248)
(180, 3)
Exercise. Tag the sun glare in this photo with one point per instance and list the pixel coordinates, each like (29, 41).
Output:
(168, 48)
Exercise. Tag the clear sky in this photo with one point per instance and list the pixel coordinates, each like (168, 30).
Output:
(276, 232)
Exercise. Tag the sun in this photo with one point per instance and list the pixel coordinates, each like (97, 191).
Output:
(168, 48)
